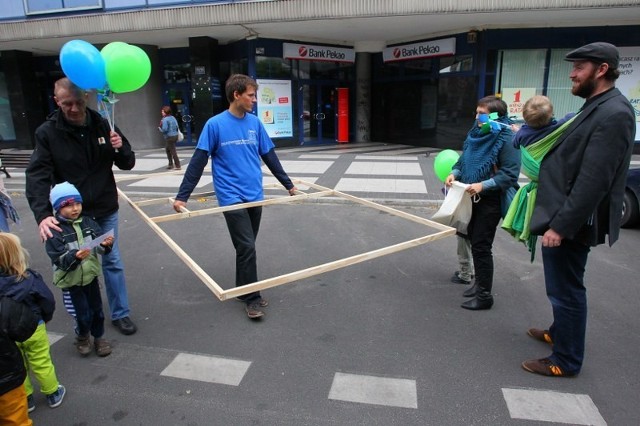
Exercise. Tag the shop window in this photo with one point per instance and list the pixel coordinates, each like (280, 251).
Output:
(418, 67)
(50, 6)
(267, 67)
(522, 68)
(7, 131)
(559, 85)
(451, 64)
(177, 73)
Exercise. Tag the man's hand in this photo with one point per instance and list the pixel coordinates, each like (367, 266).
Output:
(116, 140)
(179, 206)
(46, 225)
(551, 239)
(293, 191)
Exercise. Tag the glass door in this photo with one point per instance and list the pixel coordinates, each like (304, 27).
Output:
(177, 96)
(317, 119)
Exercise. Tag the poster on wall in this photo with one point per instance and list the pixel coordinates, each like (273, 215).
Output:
(274, 107)
(629, 80)
(515, 97)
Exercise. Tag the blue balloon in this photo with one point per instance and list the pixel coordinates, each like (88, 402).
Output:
(83, 64)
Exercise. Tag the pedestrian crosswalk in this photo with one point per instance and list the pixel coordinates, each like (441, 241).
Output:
(363, 388)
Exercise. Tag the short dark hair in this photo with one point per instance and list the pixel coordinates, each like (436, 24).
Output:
(238, 83)
(494, 104)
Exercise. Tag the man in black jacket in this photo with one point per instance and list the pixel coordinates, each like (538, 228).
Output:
(579, 201)
(77, 145)
(17, 324)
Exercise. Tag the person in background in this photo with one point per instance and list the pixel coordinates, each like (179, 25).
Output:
(236, 141)
(169, 129)
(76, 268)
(489, 164)
(17, 324)
(77, 145)
(580, 192)
(22, 284)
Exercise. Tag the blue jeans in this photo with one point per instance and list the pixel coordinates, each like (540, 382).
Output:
(88, 308)
(564, 278)
(243, 228)
(113, 271)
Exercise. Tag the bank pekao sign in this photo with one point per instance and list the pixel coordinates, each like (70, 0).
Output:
(311, 52)
(425, 49)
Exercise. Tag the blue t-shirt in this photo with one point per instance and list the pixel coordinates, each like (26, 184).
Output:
(235, 146)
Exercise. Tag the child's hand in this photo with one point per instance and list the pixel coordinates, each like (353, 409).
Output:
(108, 242)
(83, 254)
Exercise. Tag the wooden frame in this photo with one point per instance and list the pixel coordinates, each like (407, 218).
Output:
(222, 294)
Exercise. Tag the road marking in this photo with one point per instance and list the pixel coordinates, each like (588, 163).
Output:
(551, 406)
(390, 392)
(412, 186)
(205, 368)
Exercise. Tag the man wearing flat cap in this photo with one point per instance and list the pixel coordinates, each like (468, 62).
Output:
(579, 202)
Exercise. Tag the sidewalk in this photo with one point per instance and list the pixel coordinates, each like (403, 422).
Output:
(380, 172)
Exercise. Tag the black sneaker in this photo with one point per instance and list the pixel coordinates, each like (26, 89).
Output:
(253, 310)
(55, 399)
(31, 404)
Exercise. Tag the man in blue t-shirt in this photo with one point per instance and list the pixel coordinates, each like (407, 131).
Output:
(236, 140)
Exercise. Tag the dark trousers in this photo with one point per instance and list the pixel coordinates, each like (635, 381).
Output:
(88, 305)
(564, 279)
(482, 230)
(243, 228)
(170, 148)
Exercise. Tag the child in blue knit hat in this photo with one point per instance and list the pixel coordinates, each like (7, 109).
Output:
(74, 254)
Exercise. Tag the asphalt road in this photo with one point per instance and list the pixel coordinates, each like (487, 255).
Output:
(383, 342)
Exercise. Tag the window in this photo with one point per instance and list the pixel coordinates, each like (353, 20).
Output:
(33, 7)
(456, 64)
(7, 131)
(559, 85)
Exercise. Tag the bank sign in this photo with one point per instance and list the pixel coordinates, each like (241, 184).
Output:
(310, 52)
(425, 49)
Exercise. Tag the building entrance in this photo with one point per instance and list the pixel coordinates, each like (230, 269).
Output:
(317, 118)
(176, 95)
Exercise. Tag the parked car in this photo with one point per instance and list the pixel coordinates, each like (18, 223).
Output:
(631, 203)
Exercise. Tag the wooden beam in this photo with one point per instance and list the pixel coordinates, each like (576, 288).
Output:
(222, 294)
(200, 273)
(330, 266)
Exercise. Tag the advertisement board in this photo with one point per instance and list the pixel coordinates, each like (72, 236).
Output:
(274, 107)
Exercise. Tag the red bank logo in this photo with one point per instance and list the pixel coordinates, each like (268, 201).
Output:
(396, 52)
(302, 51)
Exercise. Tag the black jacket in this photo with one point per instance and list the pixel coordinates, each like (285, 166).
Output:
(17, 324)
(82, 156)
(582, 177)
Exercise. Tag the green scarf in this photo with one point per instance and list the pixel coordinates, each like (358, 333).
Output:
(518, 218)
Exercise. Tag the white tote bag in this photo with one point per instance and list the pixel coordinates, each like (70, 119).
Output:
(456, 208)
(180, 136)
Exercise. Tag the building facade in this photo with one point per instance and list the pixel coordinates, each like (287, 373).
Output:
(396, 72)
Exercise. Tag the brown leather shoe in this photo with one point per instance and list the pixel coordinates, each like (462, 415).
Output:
(253, 310)
(542, 335)
(103, 348)
(544, 367)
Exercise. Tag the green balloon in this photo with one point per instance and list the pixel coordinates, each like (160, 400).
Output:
(127, 67)
(443, 163)
(114, 46)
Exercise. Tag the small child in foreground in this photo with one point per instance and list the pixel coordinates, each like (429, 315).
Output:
(76, 266)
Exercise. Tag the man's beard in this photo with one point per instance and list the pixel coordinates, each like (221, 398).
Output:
(586, 88)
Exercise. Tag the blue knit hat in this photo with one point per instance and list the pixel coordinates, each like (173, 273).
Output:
(64, 194)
